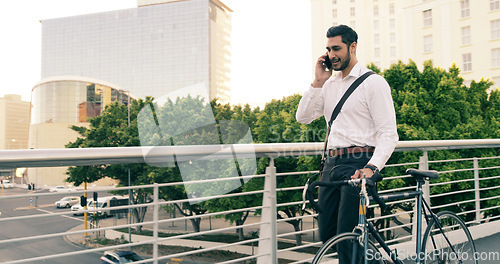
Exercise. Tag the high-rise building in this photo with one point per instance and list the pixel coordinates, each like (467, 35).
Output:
(446, 32)
(152, 50)
(89, 61)
(58, 104)
(463, 32)
(14, 122)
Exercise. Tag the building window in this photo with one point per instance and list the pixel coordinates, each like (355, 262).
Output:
(393, 51)
(392, 9)
(428, 18)
(465, 8)
(467, 60)
(377, 52)
(376, 24)
(375, 11)
(428, 43)
(353, 24)
(494, 5)
(376, 39)
(334, 2)
(352, 1)
(392, 23)
(495, 58)
(495, 29)
(334, 13)
(466, 35)
(496, 81)
(392, 37)
(353, 11)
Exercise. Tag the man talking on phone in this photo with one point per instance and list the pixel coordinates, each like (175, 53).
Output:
(363, 135)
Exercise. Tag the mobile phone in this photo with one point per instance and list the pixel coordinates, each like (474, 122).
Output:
(328, 62)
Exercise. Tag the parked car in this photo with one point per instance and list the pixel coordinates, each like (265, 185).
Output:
(61, 188)
(7, 184)
(119, 257)
(67, 202)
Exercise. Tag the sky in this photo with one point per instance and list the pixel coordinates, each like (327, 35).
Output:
(271, 47)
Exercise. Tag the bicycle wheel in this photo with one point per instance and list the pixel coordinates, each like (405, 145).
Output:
(435, 242)
(349, 247)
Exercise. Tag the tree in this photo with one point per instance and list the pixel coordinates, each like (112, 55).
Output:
(276, 124)
(225, 113)
(435, 104)
(111, 129)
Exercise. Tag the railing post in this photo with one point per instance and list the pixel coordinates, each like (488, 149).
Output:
(477, 193)
(156, 208)
(268, 246)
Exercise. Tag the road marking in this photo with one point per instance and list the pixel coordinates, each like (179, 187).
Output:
(30, 208)
(70, 217)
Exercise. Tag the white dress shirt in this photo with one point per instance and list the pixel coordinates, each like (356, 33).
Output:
(366, 119)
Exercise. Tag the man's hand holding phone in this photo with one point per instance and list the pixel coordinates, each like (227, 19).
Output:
(323, 71)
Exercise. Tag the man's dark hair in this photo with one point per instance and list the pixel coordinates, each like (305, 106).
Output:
(348, 34)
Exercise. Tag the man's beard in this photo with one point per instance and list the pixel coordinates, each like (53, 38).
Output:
(346, 62)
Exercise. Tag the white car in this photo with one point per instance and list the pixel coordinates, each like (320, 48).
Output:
(67, 202)
(61, 188)
(7, 184)
(77, 209)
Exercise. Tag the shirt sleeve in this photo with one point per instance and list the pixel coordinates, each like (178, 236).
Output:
(310, 106)
(382, 110)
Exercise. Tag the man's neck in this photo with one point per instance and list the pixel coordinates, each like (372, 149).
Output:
(345, 72)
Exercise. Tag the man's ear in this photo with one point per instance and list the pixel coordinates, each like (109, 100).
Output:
(354, 46)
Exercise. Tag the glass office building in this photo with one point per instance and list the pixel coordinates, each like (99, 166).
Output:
(72, 100)
(154, 50)
(58, 103)
(151, 50)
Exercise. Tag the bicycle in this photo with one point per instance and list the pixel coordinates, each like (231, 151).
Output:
(445, 240)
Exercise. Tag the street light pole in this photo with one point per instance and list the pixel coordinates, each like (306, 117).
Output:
(129, 190)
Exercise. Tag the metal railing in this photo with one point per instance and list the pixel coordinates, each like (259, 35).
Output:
(273, 230)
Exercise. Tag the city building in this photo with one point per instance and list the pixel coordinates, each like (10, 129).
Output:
(153, 50)
(14, 122)
(58, 103)
(446, 32)
(14, 125)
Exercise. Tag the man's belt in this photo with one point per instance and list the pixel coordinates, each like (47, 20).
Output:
(349, 150)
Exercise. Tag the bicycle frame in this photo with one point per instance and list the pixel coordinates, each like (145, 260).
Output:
(366, 227)
(423, 210)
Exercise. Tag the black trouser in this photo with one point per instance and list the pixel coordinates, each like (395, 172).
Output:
(340, 204)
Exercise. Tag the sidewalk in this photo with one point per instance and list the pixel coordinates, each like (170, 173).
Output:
(172, 241)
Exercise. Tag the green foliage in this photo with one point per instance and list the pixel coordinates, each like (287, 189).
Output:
(432, 104)
(435, 105)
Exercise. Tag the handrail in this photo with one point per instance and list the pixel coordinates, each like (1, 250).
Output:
(119, 155)
(268, 252)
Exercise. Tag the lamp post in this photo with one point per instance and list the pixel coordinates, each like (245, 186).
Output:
(129, 182)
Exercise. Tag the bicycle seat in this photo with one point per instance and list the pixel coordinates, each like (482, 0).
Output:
(423, 174)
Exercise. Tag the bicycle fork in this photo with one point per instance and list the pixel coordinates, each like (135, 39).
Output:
(362, 223)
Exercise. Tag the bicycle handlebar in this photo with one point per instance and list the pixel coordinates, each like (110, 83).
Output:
(370, 183)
